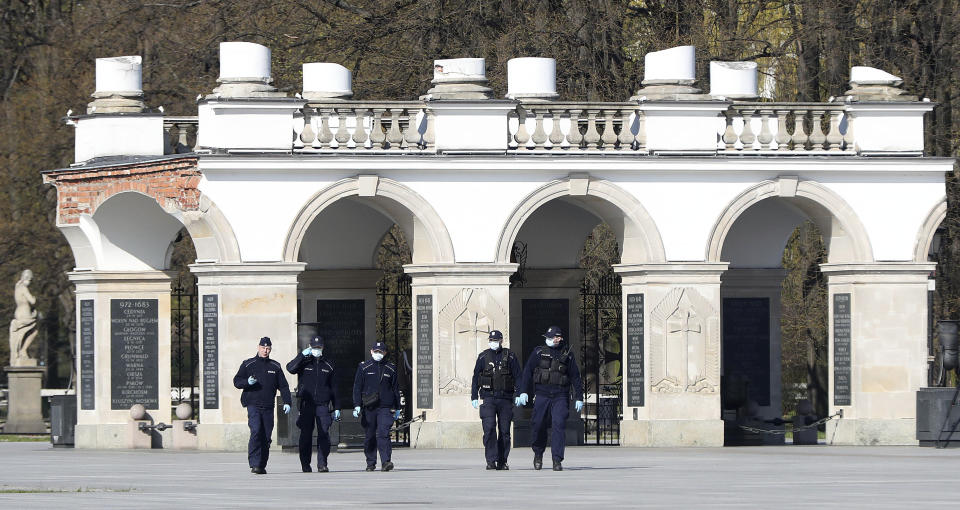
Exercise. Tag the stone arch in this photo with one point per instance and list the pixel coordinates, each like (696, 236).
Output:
(637, 233)
(428, 236)
(930, 225)
(843, 232)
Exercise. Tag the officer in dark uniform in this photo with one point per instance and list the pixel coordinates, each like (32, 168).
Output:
(376, 394)
(551, 372)
(317, 395)
(260, 377)
(495, 379)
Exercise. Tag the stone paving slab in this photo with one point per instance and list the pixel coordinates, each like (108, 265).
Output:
(594, 477)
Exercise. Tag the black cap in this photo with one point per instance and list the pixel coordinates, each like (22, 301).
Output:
(379, 346)
(317, 342)
(266, 341)
(496, 335)
(553, 331)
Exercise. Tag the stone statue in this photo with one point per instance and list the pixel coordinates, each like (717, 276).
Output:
(23, 327)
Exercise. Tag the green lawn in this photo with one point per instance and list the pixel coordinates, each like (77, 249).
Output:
(21, 438)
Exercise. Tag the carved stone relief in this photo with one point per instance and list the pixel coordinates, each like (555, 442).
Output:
(464, 324)
(684, 344)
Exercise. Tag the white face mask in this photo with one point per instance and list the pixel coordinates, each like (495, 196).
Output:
(316, 352)
(550, 342)
(495, 346)
(377, 356)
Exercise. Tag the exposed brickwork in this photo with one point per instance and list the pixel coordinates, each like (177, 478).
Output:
(81, 191)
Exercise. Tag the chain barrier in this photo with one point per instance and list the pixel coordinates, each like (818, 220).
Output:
(838, 414)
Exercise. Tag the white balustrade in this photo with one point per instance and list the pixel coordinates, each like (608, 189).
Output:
(364, 127)
(577, 127)
(786, 128)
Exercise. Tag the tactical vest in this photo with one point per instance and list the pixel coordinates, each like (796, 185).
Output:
(496, 376)
(551, 369)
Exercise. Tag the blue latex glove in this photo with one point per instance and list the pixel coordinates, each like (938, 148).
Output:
(578, 405)
(251, 380)
(396, 415)
(305, 352)
(475, 403)
(286, 408)
(522, 399)
(336, 415)
(356, 412)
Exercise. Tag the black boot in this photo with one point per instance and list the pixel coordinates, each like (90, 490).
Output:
(306, 468)
(491, 466)
(387, 466)
(322, 469)
(503, 466)
(557, 466)
(538, 461)
(372, 468)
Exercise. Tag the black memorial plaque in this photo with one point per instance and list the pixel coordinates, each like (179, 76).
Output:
(425, 352)
(841, 349)
(537, 315)
(134, 358)
(746, 343)
(88, 373)
(211, 346)
(635, 379)
(341, 323)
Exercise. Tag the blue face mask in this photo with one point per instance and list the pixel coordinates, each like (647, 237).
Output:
(377, 356)
(316, 352)
(495, 346)
(550, 342)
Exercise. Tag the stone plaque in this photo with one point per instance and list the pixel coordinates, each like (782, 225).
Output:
(634, 372)
(841, 349)
(341, 323)
(425, 351)
(746, 343)
(88, 374)
(537, 315)
(134, 357)
(211, 343)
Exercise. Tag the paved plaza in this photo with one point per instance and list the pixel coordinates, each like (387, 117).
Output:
(760, 477)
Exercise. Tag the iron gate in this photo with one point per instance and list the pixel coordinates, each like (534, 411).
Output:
(395, 329)
(185, 355)
(601, 332)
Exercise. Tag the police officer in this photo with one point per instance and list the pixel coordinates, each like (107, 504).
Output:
(551, 371)
(494, 379)
(375, 393)
(260, 377)
(317, 394)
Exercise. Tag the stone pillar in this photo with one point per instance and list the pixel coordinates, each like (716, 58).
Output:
(240, 303)
(671, 354)
(123, 354)
(877, 350)
(23, 409)
(454, 306)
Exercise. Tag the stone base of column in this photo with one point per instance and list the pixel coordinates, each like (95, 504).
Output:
(446, 434)
(24, 415)
(669, 433)
(108, 436)
(231, 437)
(872, 432)
(184, 439)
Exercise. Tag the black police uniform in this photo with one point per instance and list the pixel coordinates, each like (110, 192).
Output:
(495, 378)
(551, 372)
(380, 378)
(259, 400)
(317, 395)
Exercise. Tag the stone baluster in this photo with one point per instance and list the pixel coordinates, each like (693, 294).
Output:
(848, 140)
(783, 138)
(834, 138)
(817, 138)
(395, 135)
(430, 133)
(522, 136)
(765, 136)
(592, 136)
(609, 137)
(377, 136)
(799, 136)
(360, 132)
(539, 134)
(343, 136)
(574, 136)
(170, 147)
(641, 137)
(556, 134)
(729, 135)
(325, 136)
(411, 132)
(626, 135)
(746, 136)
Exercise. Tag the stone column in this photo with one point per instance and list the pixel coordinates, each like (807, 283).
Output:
(877, 350)
(454, 306)
(240, 303)
(671, 354)
(123, 354)
(24, 415)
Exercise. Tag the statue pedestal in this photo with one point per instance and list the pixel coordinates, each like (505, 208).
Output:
(24, 415)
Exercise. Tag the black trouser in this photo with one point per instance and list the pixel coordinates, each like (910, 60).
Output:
(550, 412)
(376, 424)
(260, 421)
(496, 414)
(309, 414)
